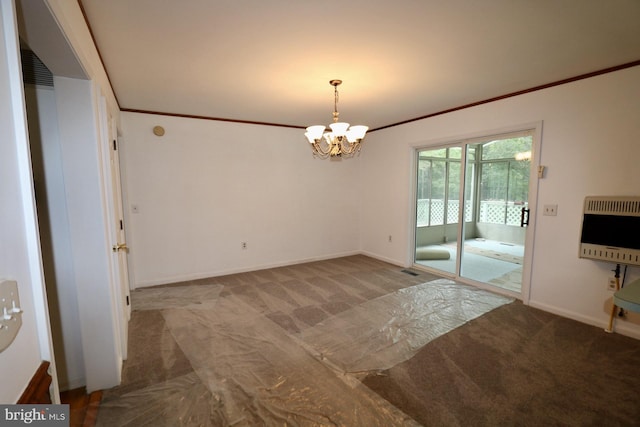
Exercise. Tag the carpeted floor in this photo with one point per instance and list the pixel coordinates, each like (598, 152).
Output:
(518, 366)
(356, 341)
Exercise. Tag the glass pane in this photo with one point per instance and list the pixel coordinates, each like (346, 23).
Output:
(492, 251)
(439, 153)
(423, 192)
(519, 181)
(453, 195)
(424, 179)
(455, 153)
(493, 192)
(506, 148)
(469, 191)
(518, 190)
(437, 192)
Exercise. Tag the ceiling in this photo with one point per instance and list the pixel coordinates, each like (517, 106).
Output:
(271, 61)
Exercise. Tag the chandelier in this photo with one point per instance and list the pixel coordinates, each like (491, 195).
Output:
(342, 140)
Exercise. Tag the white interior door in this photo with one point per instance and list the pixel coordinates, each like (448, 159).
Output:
(119, 250)
(121, 242)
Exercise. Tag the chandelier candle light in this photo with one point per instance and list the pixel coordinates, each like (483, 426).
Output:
(342, 140)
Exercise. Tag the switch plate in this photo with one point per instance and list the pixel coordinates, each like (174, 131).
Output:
(10, 313)
(550, 210)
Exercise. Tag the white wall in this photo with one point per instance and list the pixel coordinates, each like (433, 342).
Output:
(19, 241)
(590, 145)
(206, 186)
(54, 234)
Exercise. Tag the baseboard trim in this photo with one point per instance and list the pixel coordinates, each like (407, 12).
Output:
(619, 327)
(198, 276)
(385, 259)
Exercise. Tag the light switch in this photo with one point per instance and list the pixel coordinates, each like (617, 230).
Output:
(10, 312)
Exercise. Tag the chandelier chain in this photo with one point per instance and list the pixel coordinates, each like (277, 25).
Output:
(335, 104)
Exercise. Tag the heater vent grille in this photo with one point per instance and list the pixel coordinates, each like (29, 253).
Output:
(626, 206)
(605, 253)
(611, 229)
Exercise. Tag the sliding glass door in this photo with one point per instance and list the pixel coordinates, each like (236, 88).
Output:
(438, 193)
(471, 224)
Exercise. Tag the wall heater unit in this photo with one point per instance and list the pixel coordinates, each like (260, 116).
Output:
(611, 229)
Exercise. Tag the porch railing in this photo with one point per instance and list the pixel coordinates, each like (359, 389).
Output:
(491, 211)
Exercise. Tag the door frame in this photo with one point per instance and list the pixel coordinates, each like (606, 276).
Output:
(534, 178)
(27, 268)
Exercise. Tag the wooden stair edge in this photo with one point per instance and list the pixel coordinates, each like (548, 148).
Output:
(91, 415)
(37, 391)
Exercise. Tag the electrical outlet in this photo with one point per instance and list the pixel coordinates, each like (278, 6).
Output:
(244, 245)
(550, 210)
(611, 284)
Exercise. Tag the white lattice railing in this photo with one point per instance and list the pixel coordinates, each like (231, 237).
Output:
(493, 212)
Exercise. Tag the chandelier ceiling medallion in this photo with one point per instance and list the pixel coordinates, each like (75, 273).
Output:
(342, 140)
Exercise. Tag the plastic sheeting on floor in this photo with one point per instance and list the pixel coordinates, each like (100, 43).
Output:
(264, 377)
(248, 370)
(388, 330)
(181, 401)
(173, 296)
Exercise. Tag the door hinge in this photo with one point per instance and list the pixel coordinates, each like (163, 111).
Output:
(115, 147)
(121, 225)
(127, 299)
